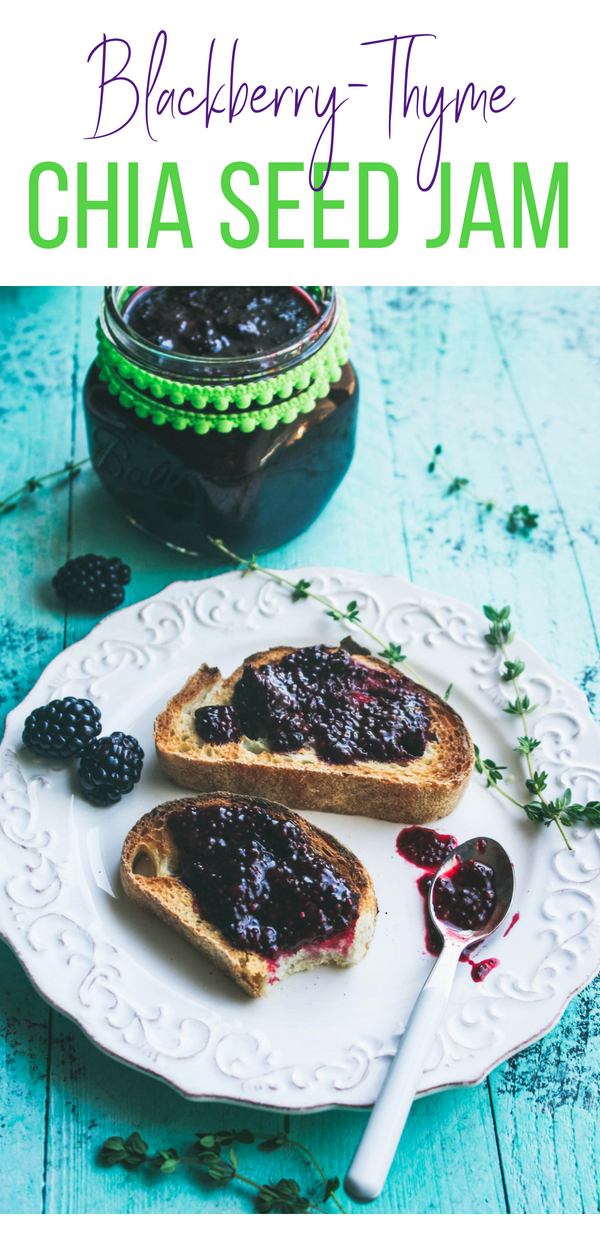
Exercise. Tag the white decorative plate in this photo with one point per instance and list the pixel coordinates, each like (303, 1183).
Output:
(322, 1038)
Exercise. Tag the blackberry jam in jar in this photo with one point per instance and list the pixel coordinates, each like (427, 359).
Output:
(221, 412)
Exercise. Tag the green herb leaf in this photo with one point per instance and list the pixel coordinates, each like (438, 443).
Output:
(131, 1153)
(512, 670)
(114, 1144)
(220, 1171)
(563, 811)
(538, 783)
(590, 813)
(526, 745)
(283, 1197)
(393, 653)
(447, 691)
(300, 590)
(351, 614)
(113, 1151)
(488, 767)
(457, 484)
(521, 520)
(500, 630)
(166, 1161)
(520, 706)
(432, 464)
(331, 1185)
(273, 1143)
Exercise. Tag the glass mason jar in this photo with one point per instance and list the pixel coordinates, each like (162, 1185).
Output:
(248, 450)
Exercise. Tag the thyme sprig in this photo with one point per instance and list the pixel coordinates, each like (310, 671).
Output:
(215, 1155)
(520, 520)
(560, 811)
(9, 503)
(391, 652)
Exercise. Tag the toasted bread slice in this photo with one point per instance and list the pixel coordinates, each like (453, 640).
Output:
(418, 791)
(149, 864)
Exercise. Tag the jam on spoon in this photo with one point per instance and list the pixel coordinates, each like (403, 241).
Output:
(464, 897)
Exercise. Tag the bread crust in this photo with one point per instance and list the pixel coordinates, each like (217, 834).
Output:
(417, 792)
(164, 895)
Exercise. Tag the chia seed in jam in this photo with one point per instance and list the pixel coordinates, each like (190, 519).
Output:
(227, 322)
(324, 697)
(257, 878)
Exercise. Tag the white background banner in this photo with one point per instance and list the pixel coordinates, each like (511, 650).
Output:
(257, 88)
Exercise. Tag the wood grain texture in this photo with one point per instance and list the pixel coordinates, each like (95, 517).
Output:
(509, 382)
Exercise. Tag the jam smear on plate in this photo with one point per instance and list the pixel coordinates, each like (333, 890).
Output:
(258, 879)
(425, 848)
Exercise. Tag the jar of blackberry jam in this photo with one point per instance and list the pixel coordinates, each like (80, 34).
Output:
(221, 412)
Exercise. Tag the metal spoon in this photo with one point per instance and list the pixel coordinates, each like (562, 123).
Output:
(366, 1176)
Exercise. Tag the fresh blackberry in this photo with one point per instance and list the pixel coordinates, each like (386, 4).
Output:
(92, 581)
(62, 728)
(110, 767)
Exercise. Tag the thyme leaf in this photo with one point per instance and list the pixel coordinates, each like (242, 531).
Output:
(520, 520)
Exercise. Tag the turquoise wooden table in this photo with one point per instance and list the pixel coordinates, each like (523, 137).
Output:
(508, 381)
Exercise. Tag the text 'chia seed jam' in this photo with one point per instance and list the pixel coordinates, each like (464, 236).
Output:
(465, 897)
(257, 878)
(348, 711)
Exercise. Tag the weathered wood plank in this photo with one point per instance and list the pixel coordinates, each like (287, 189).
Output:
(24, 1037)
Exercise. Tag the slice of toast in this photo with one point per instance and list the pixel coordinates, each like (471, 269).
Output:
(149, 866)
(417, 791)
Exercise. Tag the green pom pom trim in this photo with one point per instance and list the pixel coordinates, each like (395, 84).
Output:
(281, 413)
(298, 388)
